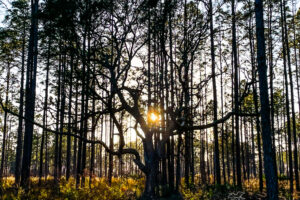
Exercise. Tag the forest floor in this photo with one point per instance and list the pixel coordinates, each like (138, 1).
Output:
(130, 189)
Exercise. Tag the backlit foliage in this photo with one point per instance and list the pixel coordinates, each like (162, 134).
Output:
(121, 189)
(132, 188)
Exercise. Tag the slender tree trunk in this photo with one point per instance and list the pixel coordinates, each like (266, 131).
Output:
(87, 86)
(202, 147)
(253, 148)
(242, 149)
(187, 159)
(100, 149)
(110, 157)
(232, 122)
(21, 113)
(171, 142)
(292, 98)
(255, 99)
(56, 150)
(298, 94)
(62, 115)
(75, 124)
(92, 164)
(111, 104)
(178, 169)
(296, 60)
(270, 52)
(227, 154)
(3, 153)
(236, 96)
(270, 169)
(222, 111)
(213, 74)
(30, 94)
(81, 132)
(69, 120)
(44, 113)
(287, 100)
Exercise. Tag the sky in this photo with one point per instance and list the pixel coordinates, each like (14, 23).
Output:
(6, 2)
(3, 4)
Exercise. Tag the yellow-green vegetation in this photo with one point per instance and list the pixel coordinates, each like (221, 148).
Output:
(120, 189)
(228, 191)
(252, 187)
(131, 189)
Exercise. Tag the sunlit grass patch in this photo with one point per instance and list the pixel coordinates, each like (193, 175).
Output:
(120, 189)
(131, 188)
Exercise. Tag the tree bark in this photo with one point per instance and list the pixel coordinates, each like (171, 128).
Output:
(3, 156)
(284, 49)
(295, 151)
(21, 111)
(44, 114)
(30, 94)
(236, 96)
(213, 74)
(270, 169)
(69, 120)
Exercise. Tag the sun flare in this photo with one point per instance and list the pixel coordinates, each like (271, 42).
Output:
(153, 117)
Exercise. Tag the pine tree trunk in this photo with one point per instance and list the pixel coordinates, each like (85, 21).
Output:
(284, 49)
(236, 97)
(44, 114)
(255, 99)
(92, 162)
(82, 115)
(213, 74)
(295, 150)
(30, 94)
(75, 128)
(3, 152)
(62, 115)
(69, 120)
(56, 142)
(270, 169)
(21, 113)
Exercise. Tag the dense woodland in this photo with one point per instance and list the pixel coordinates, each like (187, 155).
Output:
(190, 99)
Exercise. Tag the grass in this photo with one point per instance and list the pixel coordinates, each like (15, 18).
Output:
(130, 189)
(120, 189)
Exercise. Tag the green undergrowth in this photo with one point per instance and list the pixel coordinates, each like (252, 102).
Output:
(131, 188)
(120, 189)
